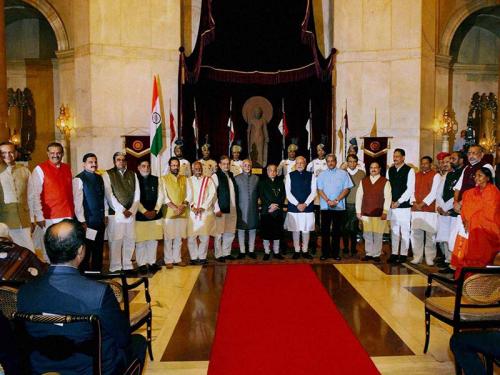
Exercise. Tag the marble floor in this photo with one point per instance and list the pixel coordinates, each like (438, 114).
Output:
(382, 304)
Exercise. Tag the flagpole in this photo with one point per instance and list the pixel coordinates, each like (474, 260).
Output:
(345, 131)
(229, 130)
(195, 130)
(282, 116)
(310, 130)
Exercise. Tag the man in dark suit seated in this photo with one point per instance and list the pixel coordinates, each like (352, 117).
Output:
(62, 290)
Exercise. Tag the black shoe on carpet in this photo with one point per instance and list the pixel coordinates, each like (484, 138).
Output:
(306, 255)
(393, 259)
(203, 262)
(337, 258)
(252, 255)
(194, 262)
(367, 258)
(278, 256)
(296, 256)
(402, 258)
(376, 259)
(324, 257)
(266, 257)
(229, 257)
(241, 256)
(220, 260)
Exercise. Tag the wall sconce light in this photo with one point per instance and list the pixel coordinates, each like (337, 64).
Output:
(448, 126)
(63, 122)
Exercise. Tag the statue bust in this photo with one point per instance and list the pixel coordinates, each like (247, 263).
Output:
(257, 112)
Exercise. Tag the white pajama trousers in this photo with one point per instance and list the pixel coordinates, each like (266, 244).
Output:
(198, 251)
(296, 241)
(373, 243)
(251, 239)
(145, 252)
(222, 244)
(267, 246)
(418, 247)
(172, 250)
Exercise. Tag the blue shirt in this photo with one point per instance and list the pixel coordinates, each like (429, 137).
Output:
(332, 182)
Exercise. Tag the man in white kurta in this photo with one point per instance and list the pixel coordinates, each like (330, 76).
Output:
(201, 196)
(123, 198)
(14, 199)
(174, 187)
(225, 211)
(402, 179)
(300, 216)
(423, 213)
(148, 220)
(444, 204)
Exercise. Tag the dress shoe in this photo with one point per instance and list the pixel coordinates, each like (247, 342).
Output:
(296, 255)
(180, 264)
(220, 260)
(367, 258)
(266, 257)
(415, 261)
(252, 255)
(337, 258)
(203, 262)
(402, 258)
(143, 269)
(306, 255)
(278, 256)
(446, 271)
(193, 262)
(230, 257)
(324, 257)
(241, 256)
(376, 259)
(169, 266)
(393, 259)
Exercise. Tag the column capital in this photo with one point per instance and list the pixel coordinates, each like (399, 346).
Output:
(443, 61)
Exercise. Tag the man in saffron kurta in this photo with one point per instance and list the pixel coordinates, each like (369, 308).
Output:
(480, 214)
(201, 195)
(123, 194)
(423, 213)
(175, 213)
(52, 190)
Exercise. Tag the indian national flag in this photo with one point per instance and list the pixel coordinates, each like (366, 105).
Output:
(156, 127)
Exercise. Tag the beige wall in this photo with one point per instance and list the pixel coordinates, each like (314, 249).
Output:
(379, 68)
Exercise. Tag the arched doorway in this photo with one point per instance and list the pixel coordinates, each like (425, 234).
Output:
(33, 33)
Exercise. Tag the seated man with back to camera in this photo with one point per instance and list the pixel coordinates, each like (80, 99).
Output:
(62, 290)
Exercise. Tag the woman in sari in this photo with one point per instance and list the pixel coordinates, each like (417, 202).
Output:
(480, 241)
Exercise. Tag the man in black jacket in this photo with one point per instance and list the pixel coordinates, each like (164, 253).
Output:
(272, 196)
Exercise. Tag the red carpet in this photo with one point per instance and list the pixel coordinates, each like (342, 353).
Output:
(278, 319)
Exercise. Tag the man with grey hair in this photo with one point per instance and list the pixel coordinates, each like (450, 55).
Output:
(300, 187)
(123, 194)
(248, 215)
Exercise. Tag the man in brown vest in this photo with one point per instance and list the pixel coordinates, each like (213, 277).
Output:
(123, 194)
(14, 208)
(423, 213)
(373, 200)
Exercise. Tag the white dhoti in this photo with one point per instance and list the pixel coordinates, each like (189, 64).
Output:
(444, 226)
(299, 221)
(423, 225)
(174, 230)
(198, 250)
(400, 229)
(22, 237)
(121, 240)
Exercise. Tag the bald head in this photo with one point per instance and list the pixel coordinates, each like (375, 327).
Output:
(64, 241)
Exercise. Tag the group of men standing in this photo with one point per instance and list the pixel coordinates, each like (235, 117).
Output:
(210, 199)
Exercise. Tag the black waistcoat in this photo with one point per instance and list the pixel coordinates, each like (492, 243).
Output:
(399, 183)
(149, 196)
(93, 198)
(223, 193)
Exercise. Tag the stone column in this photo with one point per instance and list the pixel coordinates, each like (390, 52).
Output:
(4, 132)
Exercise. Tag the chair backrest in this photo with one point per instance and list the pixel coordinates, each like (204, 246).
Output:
(8, 300)
(44, 344)
(482, 288)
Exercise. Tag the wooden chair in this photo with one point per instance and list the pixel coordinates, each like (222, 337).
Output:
(45, 345)
(476, 303)
(137, 314)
